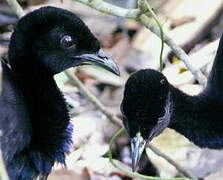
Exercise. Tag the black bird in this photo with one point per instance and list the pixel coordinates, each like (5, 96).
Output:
(33, 115)
(151, 104)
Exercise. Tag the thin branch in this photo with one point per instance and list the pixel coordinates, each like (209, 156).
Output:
(16, 7)
(147, 7)
(137, 14)
(107, 8)
(181, 170)
(93, 99)
(180, 53)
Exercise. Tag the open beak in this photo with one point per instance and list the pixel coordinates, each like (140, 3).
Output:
(102, 59)
(137, 147)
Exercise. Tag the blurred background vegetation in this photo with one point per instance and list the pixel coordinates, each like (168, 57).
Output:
(195, 25)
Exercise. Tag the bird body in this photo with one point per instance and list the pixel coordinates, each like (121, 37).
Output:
(151, 103)
(36, 130)
(33, 113)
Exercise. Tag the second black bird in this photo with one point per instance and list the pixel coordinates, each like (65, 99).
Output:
(151, 104)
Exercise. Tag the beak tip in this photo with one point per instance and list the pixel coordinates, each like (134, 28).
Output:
(111, 66)
(137, 146)
(109, 62)
(117, 72)
(135, 162)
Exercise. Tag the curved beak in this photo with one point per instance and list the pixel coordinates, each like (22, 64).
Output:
(137, 147)
(102, 59)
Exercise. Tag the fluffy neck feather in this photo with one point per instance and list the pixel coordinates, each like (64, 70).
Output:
(50, 126)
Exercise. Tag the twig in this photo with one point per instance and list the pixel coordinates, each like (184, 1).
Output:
(16, 7)
(181, 170)
(144, 3)
(93, 99)
(111, 9)
(137, 14)
(176, 49)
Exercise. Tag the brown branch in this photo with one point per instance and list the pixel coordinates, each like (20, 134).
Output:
(181, 170)
(16, 7)
(107, 8)
(138, 15)
(93, 99)
(180, 53)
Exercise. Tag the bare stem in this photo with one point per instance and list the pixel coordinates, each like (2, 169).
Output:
(181, 170)
(93, 99)
(138, 15)
(16, 7)
(145, 4)
(107, 8)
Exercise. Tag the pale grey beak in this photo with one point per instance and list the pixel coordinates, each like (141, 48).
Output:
(137, 147)
(102, 59)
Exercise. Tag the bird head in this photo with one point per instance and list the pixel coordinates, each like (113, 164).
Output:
(55, 39)
(145, 108)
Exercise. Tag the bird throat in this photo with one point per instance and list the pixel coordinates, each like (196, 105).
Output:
(49, 118)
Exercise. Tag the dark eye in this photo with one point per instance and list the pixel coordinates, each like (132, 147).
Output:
(66, 41)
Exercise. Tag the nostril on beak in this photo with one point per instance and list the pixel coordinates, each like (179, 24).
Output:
(103, 57)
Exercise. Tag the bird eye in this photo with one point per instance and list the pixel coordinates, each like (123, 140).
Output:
(66, 41)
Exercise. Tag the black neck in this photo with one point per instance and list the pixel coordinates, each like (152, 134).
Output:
(194, 116)
(215, 85)
(51, 130)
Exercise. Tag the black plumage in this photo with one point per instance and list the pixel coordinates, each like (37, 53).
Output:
(151, 104)
(33, 115)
